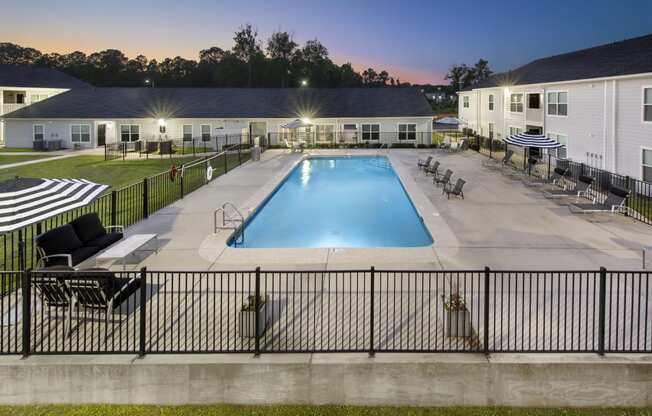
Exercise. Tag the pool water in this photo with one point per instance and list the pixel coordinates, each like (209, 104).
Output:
(337, 202)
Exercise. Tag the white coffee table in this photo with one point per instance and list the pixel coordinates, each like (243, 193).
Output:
(122, 249)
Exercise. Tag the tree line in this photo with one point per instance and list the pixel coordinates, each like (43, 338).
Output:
(278, 62)
(464, 76)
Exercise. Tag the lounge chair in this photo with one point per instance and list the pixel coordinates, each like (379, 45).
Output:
(295, 146)
(556, 178)
(615, 202)
(518, 173)
(445, 179)
(582, 188)
(53, 292)
(424, 163)
(494, 164)
(432, 169)
(456, 190)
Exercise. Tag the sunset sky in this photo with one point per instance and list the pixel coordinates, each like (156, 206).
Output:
(416, 41)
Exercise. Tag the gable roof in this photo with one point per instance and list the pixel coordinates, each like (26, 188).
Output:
(628, 57)
(230, 103)
(29, 77)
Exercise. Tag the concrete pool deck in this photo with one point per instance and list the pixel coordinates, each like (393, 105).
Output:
(501, 224)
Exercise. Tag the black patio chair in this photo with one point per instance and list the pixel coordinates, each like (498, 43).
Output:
(424, 163)
(556, 178)
(581, 188)
(495, 164)
(615, 202)
(443, 180)
(454, 190)
(432, 169)
(52, 291)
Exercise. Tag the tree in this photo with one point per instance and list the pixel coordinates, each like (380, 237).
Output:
(247, 47)
(481, 71)
(12, 54)
(459, 76)
(212, 55)
(280, 48)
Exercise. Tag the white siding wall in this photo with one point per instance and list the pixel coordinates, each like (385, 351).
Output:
(632, 134)
(467, 114)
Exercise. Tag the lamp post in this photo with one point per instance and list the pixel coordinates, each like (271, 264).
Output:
(149, 82)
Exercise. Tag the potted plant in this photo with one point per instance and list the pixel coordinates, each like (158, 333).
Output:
(247, 317)
(458, 318)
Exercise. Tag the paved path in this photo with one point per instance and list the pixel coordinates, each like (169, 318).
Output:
(59, 155)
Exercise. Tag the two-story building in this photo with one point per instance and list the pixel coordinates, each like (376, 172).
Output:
(596, 101)
(21, 86)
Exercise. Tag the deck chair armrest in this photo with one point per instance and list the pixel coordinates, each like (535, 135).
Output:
(118, 228)
(68, 258)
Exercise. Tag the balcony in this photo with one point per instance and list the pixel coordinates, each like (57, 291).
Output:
(8, 108)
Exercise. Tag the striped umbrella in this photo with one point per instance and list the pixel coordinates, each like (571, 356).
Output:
(25, 201)
(532, 140)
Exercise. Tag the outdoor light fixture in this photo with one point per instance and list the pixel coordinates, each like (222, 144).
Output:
(161, 125)
(304, 82)
(149, 82)
(305, 120)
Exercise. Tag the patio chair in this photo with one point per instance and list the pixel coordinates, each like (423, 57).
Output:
(495, 164)
(615, 202)
(443, 180)
(582, 188)
(424, 163)
(295, 146)
(432, 169)
(53, 291)
(517, 173)
(556, 178)
(456, 190)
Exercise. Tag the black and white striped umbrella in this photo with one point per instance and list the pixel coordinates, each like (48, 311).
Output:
(25, 201)
(532, 140)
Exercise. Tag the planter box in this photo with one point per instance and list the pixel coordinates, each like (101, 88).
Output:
(247, 322)
(458, 324)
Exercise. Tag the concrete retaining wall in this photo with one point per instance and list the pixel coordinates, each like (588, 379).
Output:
(390, 379)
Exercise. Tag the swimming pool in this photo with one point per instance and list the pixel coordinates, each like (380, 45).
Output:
(336, 202)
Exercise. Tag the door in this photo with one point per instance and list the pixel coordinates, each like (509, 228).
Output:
(101, 134)
(258, 129)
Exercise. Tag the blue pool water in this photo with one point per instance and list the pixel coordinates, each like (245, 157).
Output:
(337, 202)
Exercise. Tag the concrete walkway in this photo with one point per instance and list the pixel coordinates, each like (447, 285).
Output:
(56, 156)
(501, 224)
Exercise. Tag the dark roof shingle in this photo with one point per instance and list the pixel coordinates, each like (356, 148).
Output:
(628, 57)
(29, 77)
(230, 103)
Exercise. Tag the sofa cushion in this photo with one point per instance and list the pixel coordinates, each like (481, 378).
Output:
(60, 240)
(105, 240)
(88, 227)
(78, 255)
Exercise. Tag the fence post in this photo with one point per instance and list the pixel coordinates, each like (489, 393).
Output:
(256, 314)
(22, 253)
(27, 310)
(549, 157)
(114, 208)
(226, 162)
(145, 197)
(372, 351)
(602, 310)
(143, 310)
(181, 181)
(487, 273)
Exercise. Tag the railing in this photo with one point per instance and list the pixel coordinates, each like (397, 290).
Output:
(8, 108)
(639, 201)
(124, 206)
(256, 311)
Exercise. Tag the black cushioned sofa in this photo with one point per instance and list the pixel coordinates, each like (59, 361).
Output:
(71, 244)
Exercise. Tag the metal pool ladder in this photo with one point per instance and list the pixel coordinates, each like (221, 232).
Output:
(230, 216)
(383, 146)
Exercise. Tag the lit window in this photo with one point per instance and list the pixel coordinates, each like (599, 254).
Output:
(370, 131)
(187, 132)
(491, 102)
(516, 103)
(39, 132)
(647, 165)
(129, 132)
(80, 133)
(647, 104)
(557, 103)
(205, 132)
(407, 131)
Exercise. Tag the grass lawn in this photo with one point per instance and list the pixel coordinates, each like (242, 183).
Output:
(223, 410)
(116, 173)
(6, 160)
(17, 150)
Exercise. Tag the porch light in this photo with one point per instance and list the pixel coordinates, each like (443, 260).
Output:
(304, 82)
(305, 120)
(161, 122)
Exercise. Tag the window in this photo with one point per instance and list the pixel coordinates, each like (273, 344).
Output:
(562, 152)
(647, 165)
(647, 104)
(465, 101)
(205, 132)
(129, 132)
(187, 132)
(557, 103)
(39, 132)
(491, 102)
(370, 131)
(491, 131)
(325, 132)
(407, 131)
(35, 98)
(534, 101)
(516, 103)
(80, 133)
(515, 130)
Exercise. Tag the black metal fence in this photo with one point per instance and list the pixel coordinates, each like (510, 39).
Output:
(368, 310)
(639, 201)
(124, 206)
(352, 139)
(180, 148)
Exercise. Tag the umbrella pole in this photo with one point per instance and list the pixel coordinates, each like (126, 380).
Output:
(524, 157)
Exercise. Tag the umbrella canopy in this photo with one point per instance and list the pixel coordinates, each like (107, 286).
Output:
(298, 123)
(450, 120)
(532, 140)
(25, 201)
